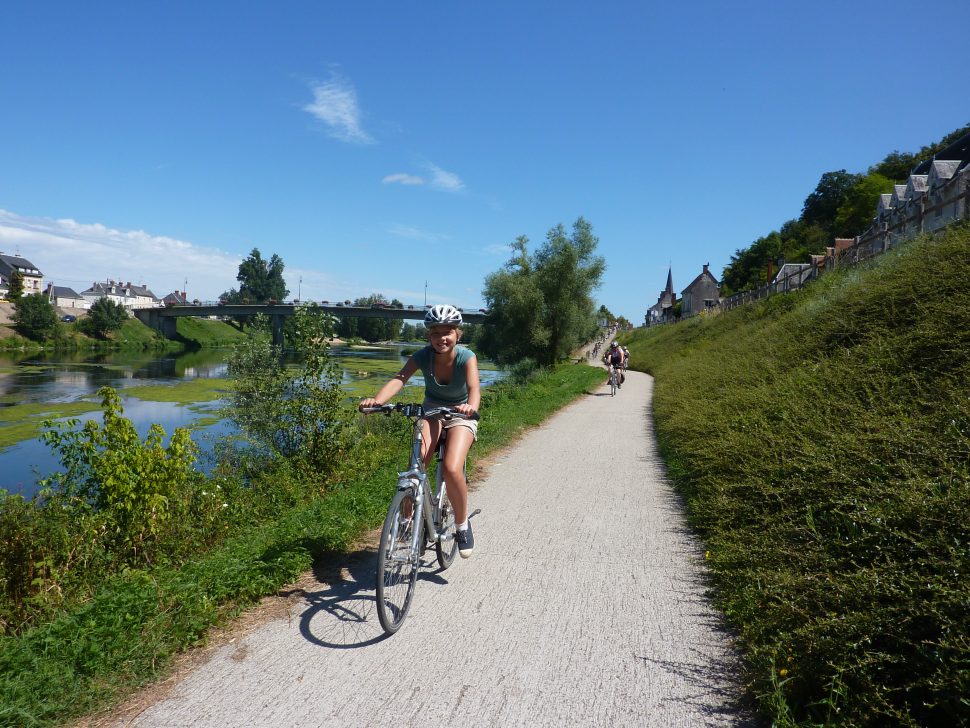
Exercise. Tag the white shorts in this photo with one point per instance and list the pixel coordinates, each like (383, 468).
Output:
(457, 422)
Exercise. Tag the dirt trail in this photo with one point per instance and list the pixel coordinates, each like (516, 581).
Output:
(582, 606)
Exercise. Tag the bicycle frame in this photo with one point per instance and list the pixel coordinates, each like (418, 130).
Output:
(428, 499)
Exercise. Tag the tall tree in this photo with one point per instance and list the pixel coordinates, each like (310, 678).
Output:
(16, 289)
(822, 205)
(260, 281)
(896, 166)
(541, 305)
(859, 205)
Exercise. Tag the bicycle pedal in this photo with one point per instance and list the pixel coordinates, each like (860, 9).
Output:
(475, 512)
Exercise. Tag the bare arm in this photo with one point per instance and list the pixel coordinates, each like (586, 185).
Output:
(393, 386)
(474, 387)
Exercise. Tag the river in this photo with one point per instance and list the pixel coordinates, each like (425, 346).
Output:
(61, 385)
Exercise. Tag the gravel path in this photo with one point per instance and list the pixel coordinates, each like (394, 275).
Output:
(582, 606)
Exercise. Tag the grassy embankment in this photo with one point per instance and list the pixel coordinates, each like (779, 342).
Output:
(94, 653)
(821, 440)
(133, 334)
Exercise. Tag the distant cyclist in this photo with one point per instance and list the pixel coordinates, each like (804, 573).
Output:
(614, 359)
(450, 379)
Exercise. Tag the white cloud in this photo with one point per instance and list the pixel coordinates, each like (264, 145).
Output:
(76, 255)
(440, 179)
(335, 104)
(443, 180)
(413, 233)
(403, 179)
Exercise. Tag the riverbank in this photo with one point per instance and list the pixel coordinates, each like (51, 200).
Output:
(191, 333)
(93, 654)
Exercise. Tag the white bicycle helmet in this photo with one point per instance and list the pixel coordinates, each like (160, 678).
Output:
(442, 314)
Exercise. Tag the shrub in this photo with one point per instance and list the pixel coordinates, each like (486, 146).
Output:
(35, 317)
(291, 414)
(104, 317)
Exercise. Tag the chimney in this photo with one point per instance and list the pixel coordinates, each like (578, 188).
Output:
(705, 267)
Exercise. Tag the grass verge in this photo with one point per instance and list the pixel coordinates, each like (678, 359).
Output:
(126, 633)
(822, 440)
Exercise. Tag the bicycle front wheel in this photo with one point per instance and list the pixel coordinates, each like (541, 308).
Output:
(398, 560)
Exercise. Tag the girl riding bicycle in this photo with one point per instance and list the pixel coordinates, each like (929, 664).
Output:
(450, 379)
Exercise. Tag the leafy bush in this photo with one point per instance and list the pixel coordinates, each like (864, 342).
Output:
(131, 485)
(290, 414)
(35, 317)
(104, 317)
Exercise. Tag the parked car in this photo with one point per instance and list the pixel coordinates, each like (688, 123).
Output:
(68, 318)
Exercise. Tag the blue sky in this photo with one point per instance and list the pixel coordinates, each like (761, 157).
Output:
(376, 146)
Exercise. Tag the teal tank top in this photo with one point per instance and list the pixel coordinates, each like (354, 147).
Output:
(456, 391)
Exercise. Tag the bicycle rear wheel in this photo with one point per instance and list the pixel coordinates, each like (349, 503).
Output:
(613, 385)
(446, 550)
(397, 562)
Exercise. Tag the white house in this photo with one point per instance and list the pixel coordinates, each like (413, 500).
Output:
(111, 291)
(144, 298)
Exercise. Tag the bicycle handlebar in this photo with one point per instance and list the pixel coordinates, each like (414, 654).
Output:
(418, 410)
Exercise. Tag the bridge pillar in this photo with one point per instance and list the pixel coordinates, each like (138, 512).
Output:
(165, 325)
(168, 326)
(277, 320)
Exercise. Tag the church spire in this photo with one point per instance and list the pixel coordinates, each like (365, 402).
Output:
(670, 281)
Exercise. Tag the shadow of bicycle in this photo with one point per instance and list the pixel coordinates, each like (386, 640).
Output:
(343, 614)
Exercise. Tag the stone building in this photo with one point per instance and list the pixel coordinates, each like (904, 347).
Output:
(702, 294)
(936, 193)
(662, 311)
(64, 297)
(33, 278)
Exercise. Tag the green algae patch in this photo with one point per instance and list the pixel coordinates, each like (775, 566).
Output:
(189, 392)
(23, 421)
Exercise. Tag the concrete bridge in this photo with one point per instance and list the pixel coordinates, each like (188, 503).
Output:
(163, 319)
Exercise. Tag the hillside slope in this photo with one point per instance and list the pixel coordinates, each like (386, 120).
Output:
(822, 440)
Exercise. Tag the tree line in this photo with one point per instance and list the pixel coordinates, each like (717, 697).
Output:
(842, 205)
(540, 303)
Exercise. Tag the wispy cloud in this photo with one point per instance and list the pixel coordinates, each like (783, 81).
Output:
(76, 254)
(413, 233)
(403, 179)
(335, 104)
(443, 180)
(440, 179)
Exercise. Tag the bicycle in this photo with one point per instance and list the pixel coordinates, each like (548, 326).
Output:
(418, 508)
(612, 381)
